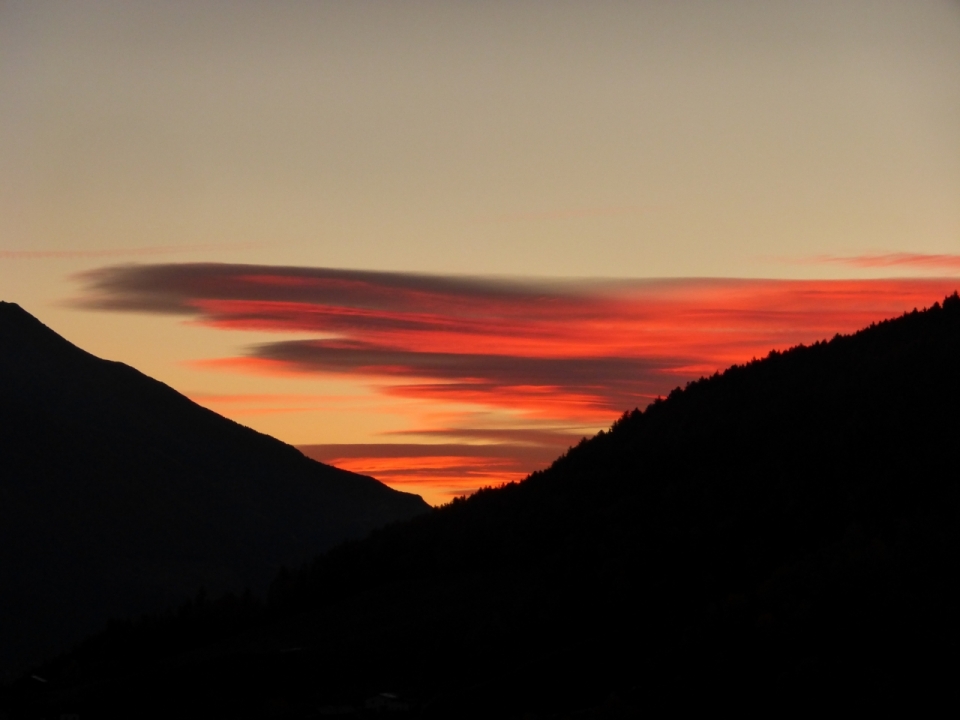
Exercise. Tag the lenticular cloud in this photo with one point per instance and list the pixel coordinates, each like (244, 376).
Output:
(573, 353)
(603, 345)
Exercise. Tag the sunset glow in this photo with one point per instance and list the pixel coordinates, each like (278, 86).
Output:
(470, 225)
(563, 358)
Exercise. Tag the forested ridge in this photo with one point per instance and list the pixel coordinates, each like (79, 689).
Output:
(782, 532)
(119, 496)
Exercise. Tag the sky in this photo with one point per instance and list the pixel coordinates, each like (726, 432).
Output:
(440, 242)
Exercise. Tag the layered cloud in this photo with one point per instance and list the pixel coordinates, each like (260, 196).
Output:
(437, 471)
(555, 355)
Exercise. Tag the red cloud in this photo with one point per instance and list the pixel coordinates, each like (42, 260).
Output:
(438, 472)
(564, 352)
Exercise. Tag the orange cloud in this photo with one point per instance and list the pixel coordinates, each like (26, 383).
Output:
(268, 403)
(551, 354)
(437, 472)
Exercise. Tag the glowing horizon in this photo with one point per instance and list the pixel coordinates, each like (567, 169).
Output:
(552, 359)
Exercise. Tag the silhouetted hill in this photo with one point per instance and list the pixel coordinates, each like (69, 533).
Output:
(120, 496)
(783, 533)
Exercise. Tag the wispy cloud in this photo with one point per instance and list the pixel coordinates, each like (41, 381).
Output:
(118, 252)
(550, 354)
(939, 262)
(439, 472)
(576, 213)
(269, 403)
(545, 437)
(590, 384)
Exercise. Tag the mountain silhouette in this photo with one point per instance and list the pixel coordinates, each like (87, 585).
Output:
(120, 496)
(784, 533)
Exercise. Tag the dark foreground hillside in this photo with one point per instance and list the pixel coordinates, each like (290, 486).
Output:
(119, 496)
(780, 535)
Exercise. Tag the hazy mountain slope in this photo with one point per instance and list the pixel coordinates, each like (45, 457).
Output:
(782, 533)
(118, 495)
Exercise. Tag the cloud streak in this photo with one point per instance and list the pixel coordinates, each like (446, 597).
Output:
(116, 252)
(889, 260)
(606, 383)
(553, 354)
(440, 471)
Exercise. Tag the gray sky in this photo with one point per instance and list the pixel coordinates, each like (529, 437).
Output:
(545, 138)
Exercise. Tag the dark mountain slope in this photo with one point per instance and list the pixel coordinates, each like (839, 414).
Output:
(784, 533)
(120, 496)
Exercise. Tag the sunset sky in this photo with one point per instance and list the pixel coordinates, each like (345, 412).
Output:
(440, 242)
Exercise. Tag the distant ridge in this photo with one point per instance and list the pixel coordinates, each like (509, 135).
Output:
(782, 534)
(119, 496)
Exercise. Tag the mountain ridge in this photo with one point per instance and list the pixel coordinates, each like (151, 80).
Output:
(109, 473)
(781, 534)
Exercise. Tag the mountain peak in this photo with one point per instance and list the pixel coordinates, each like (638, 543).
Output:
(14, 316)
(121, 496)
(14, 319)
(21, 332)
